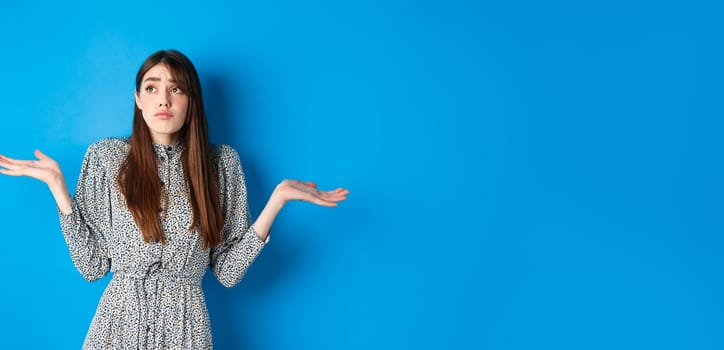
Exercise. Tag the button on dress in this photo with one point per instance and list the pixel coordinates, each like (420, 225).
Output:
(154, 300)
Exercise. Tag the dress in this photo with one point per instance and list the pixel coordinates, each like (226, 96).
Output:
(154, 300)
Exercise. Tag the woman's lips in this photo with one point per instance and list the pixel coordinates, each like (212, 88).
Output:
(163, 115)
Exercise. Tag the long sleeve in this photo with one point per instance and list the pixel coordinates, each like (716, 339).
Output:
(84, 228)
(240, 244)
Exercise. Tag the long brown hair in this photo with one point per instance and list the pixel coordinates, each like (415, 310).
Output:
(138, 176)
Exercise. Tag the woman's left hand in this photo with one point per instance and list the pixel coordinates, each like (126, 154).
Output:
(289, 190)
(294, 190)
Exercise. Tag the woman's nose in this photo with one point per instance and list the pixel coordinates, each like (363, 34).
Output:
(164, 101)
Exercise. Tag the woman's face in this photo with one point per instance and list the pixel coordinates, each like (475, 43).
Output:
(162, 104)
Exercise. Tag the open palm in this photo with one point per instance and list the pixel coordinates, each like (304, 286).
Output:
(44, 168)
(308, 192)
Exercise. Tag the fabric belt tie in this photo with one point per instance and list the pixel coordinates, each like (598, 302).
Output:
(146, 287)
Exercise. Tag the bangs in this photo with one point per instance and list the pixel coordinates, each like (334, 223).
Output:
(181, 69)
(179, 74)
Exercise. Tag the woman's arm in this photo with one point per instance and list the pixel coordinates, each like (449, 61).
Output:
(242, 241)
(44, 169)
(84, 220)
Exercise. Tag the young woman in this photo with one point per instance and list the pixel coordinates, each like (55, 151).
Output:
(157, 209)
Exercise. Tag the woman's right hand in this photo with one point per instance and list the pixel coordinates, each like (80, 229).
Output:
(45, 169)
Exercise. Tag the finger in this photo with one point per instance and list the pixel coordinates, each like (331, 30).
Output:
(334, 197)
(40, 155)
(12, 166)
(11, 172)
(17, 162)
(323, 203)
(310, 184)
(315, 198)
(340, 189)
(329, 193)
(335, 200)
(336, 192)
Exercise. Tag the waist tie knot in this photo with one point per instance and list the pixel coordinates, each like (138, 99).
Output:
(160, 274)
(147, 287)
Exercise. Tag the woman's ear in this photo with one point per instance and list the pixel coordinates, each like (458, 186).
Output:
(138, 99)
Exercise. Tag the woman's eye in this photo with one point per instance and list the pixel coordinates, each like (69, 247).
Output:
(177, 90)
(150, 89)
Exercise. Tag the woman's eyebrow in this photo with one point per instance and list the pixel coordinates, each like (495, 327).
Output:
(157, 79)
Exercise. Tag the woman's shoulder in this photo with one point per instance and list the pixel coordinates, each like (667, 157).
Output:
(223, 151)
(110, 148)
(225, 156)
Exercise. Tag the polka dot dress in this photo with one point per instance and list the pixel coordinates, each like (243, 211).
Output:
(154, 300)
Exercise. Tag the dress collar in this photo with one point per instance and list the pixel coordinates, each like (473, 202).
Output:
(176, 147)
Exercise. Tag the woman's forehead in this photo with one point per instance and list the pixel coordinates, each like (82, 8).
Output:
(160, 72)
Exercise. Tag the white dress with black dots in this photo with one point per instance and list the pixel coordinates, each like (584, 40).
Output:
(154, 300)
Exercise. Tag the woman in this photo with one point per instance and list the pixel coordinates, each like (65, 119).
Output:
(157, 209)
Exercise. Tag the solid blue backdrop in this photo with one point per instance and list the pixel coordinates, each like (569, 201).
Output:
(523, 176)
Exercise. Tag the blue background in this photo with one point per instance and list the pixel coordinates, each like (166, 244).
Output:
(523, 176)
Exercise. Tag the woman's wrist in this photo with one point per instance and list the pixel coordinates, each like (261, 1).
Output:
(277, 198)
(59, 189)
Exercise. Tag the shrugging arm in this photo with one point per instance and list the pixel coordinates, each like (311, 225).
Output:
(240, 244)
(84, 228)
